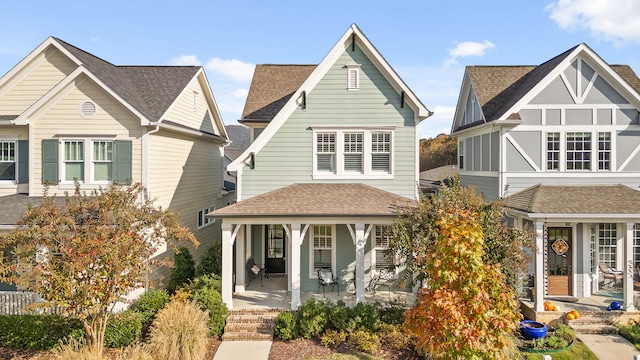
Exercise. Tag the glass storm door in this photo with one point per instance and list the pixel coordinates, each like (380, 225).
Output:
(559, 261)
(275, 249)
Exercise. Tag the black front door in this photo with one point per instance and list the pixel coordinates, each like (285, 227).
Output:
(275, 249)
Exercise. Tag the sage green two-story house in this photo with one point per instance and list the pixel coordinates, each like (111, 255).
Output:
(334, 152)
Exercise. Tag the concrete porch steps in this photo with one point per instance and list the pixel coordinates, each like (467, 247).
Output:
(250, 325)
(595, 322)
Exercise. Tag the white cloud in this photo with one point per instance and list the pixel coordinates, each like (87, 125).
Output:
(231, 68)
(616, 21)
(240, 93)
(183, 60)
(468, 48)
(438, 123)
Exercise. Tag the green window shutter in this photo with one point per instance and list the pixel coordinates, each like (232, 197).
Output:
(122, 161)
(23, 161)
(50, 161)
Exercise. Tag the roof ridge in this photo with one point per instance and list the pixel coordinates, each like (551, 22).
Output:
(83, 51)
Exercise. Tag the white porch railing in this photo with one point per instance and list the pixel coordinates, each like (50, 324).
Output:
(16, 303)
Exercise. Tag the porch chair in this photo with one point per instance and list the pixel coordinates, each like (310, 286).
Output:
(254, 271)
(608, 273)
(386, 278)
(326, 278)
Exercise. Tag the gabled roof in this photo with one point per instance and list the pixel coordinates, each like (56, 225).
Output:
(353, 34)
(549, 200)
(317, 200)
(271, 87)
(500, 88)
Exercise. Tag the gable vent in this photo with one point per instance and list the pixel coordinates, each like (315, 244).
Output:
(87, 109)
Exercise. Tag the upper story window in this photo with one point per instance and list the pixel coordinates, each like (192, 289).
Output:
(461, 155)
(604, 151)
(203, 220)
(553, 151)
(578, 151)
(353, 154)
(353, 77)
(7, 160)
(90, 161)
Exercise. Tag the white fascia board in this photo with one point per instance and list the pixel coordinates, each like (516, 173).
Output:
(309, 84)
(23, 119)
(189, 131)
(307, 220)
(490, 125)
(593, 217)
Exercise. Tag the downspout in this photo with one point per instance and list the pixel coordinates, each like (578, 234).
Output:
(145, 155)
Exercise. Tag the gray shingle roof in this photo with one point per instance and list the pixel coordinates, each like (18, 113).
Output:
(13, 206)
(319, 200)
(271, 87)
(149, 89)
(576, 200)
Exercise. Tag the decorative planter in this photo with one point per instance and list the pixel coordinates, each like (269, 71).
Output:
(532, 329)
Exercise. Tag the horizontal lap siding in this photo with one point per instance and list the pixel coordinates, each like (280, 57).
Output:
(185, 176)
(31, 83)
(287, 158)
(183, 112)
(62, 118)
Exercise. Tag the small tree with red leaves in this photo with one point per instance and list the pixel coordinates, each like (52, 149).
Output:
(90, 252)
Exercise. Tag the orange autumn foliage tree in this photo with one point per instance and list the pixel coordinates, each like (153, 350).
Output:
(466, 308)
(87, 253)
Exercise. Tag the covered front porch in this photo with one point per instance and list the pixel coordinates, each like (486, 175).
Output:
(293, 232)
(587, 241)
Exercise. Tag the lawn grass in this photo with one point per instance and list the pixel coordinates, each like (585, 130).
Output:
(578, 351)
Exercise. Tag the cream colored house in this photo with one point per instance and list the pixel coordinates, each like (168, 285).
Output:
(65, 114)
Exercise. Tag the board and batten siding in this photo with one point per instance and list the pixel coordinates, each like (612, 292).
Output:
(61, 118)
(191, 109)
(487, 186)
(33, 81)
(185, 176)
(288, 157)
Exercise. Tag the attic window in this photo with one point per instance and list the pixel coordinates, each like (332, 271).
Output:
(87, 109)
(353, 77)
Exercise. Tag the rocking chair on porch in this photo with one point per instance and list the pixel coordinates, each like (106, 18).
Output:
(615, 276)
(254, 271)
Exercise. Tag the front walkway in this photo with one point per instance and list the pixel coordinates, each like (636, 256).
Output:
(274, 294)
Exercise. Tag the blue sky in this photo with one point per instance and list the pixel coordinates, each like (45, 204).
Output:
(427, 42)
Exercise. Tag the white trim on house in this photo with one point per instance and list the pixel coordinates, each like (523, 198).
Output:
(318, 73)
(313, 274)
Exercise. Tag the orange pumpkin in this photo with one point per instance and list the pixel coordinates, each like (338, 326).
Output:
(576, 314)
(570, 316)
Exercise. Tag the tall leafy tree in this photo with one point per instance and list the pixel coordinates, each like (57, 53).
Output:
(88, 253)
(456, 245)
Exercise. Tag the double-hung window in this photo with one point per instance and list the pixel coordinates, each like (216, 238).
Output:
(604, 151)
(73, 160)
(76, 160)
(103, 160)
(380, 258)
(553, 151)
(353, 153)
(7, 160)
(322, 248)
(578, 151)
(607, 244)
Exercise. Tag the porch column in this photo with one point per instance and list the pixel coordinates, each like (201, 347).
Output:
(628, 269)
(241, 259)
(294, 259)
(539, 266)
(359, 242)
(227, 265)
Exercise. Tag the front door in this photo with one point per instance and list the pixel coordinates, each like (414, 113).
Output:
(559, 261)
(275, 249)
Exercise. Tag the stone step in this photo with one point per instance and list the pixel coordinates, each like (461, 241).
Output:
(250, 324)
(594, 329)
(258, 327)
(246, 336)
(250, 318)
(255, 311)
(590, 321)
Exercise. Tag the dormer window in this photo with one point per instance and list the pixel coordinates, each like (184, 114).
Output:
(353, 77)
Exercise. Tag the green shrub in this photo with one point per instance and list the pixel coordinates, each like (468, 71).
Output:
(392, 314)
(538, 344)
(205, 292)
(183, 270)
(366, 316)
(150, 303)
(179, 332)
(123, 329)
(36, 332)
(630, 332)
(340, 317)
(286, 326)
(364, 341)
(332, 338)
(211, 260)
(312, 317)
(392, 336)
(556, 342)
(565, 331)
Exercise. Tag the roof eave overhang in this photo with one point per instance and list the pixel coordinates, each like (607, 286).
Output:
(507, 123)
(566, 216)
(321, 219)
(190, 131)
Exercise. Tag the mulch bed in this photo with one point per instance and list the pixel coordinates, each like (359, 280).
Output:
(300, 349)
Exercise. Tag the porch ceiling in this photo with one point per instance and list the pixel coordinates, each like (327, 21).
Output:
(318, 200)
(576, 201)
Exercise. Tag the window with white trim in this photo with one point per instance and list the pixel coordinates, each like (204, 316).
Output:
(380, 258)
(607, 244)
(353, 153)
(604, 151)
(353, 77)
(553, 151)
(203, 220)
(636, 245)
(7, 160)
(461, 155)
(578, 151)
(90, 161)
(102, 160)
(73, 168)
(322, 254)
